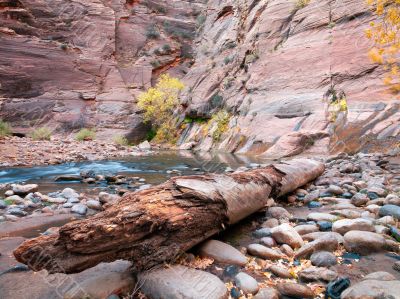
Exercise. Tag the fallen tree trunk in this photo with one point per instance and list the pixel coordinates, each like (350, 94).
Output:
(155, 225)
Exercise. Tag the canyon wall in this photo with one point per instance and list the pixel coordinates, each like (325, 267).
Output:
(268, 63)
(271, 62)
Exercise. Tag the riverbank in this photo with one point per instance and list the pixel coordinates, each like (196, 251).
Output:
(17, 151)
(343, 225)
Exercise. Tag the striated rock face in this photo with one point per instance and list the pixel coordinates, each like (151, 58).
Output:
(79, 63)
(72, 64)
(270, 64)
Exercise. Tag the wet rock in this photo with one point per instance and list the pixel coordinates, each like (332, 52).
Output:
(314, 204)
(359, 199)
(390, 210)
(222, 253)
(335, 288)
(94, 204)
(317, 274)
(380, 275)
(306, 228)
(264, 252)
(246, 283)
(325, 243)
(396, 266)
(181, 282)
(324, 226)
(68, 178)
(278, 213)
(344, 225)
(268, 241)
(17, 212)
(312, 196)
(295, 290)
(235, 293)
(267, 293)
(380, 192)
(280, 272)
(231, 270)
(363, 242)
(86, 174)
(323, 259)
(373, 289)
(3, 204)
(321, 217)
(24, 189)
(372, 195)
(286, 234)
(262, 232)
(80, 209)
(102, 285)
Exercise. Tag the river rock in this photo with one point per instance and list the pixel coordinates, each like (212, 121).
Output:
(311, 196)
(306, 228)
(264, 252)
(321, 217)
(344, 225)
(286, 234)
(17, 212)
(380, 275)
(267, 293)
(343, 206)
(94, 204)
(24, 189)
(15, 199)
(246, 283)
(102, 285)
(286, 249)
(69, 193)
(280, 271)
(335, 190)
(323, 259)
(222, 253)
(268, 241)
(317, 235)
(373, 289)
(181, 282)
(295, 290)
(317, 274)
(390, 210)
(3, 204)
(270, 223)
(262, 232)
(396, 266)
(105, 197)
(363, 242)
(144, 146)
(80, 209)
(8, 193)
(325, 243)
(351, 214)
(278, 213)
(359, 199)
(386, 220)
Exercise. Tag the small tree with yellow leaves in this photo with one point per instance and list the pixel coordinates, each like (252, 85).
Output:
(386, 36)
(159, 103)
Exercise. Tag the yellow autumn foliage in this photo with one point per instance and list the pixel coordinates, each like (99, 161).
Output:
(159, 103)
(385, 33)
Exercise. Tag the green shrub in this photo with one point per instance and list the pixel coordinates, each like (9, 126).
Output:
(228, 60)
(121, 140)
(5, 128)
(41, 134)
(166, 48)
(152, 32)
(302, 3)
(200, 20)
(155, 63)
(85, 134)
(221, 119)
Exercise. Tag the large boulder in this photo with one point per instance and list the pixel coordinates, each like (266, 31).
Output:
(222, 252)
(344, 225)
(363, 242)
(181, 282)
(286, 234)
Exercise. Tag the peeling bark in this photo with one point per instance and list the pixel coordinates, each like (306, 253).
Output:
(155, 225)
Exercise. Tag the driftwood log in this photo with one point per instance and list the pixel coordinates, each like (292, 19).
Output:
(155, 225)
